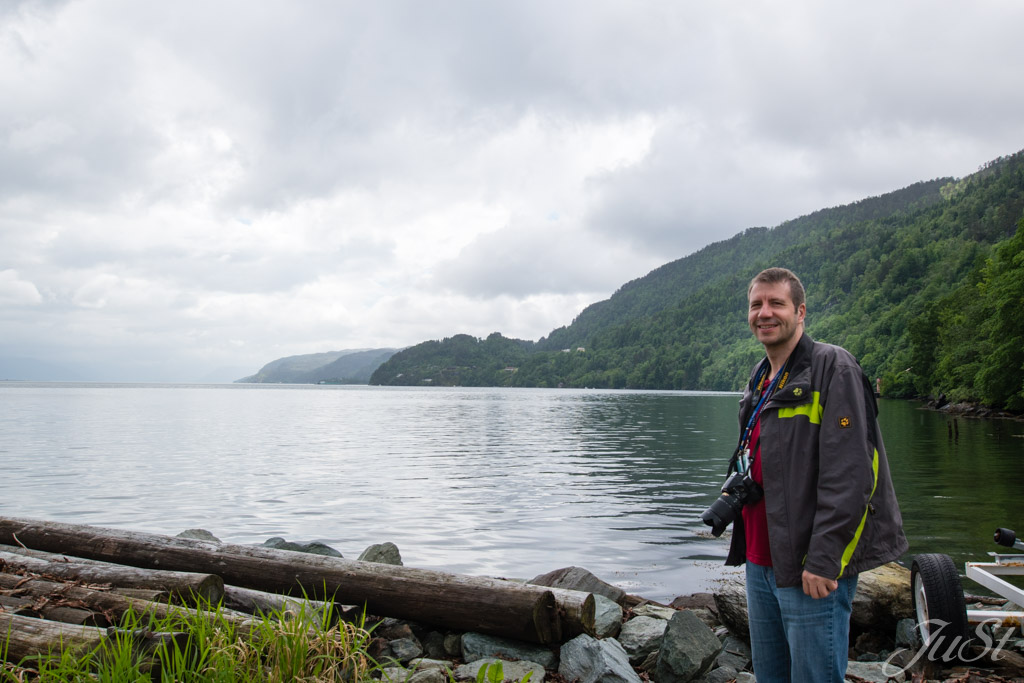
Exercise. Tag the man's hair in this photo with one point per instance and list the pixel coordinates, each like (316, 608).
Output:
(771, 276)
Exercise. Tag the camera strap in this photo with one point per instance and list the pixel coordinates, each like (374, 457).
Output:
(765, 393)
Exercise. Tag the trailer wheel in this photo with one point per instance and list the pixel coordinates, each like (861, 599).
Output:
(938, 599)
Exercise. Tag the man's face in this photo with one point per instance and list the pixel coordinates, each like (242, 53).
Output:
(772, 317)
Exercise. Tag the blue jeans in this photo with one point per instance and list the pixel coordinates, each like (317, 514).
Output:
(793, 637)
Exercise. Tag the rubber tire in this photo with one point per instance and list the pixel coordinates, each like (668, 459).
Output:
(937, 595)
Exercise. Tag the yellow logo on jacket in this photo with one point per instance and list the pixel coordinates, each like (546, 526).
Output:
(845, 422)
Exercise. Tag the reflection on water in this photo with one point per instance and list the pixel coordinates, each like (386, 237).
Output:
(479, 481)
(958, 479)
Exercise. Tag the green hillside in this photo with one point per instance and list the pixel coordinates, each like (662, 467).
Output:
(333, 367)
(923, 285)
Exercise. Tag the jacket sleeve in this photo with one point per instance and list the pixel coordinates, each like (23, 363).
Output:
(847, 471)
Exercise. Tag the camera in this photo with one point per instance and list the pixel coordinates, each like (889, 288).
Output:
(738, 490)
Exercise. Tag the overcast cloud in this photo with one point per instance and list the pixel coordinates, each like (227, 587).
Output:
(191, 188)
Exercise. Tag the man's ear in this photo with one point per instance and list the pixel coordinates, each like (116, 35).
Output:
(801, 313)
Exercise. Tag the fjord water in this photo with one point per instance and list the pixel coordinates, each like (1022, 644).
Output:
(498, 482)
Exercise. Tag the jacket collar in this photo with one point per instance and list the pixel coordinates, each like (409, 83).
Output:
(799, 368)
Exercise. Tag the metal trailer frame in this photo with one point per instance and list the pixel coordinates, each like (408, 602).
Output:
(987, 574)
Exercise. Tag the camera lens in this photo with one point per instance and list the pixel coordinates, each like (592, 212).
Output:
(721, 513)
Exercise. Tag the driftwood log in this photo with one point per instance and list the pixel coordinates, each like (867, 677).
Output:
(44, 593)
(186, 585)
(30, 637)
(882, 599)
(257, 602)
(27, 637)
(46, 609)
(493, 606)
(135, 583)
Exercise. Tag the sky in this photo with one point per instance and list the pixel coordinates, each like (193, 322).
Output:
(190, 190)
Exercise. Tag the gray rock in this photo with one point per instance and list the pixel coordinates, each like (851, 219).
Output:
(735, 654)
(588, 660)
(510, 671)
(433, 645)
(478, 646)
(395, 674)
(745, 677)
(641, 636)
(579, 579)
(453, 645)
(390, 628)
(199, 535)
(650, 663)
(876, 672)
(313, 547)
(722, 674)
(424, 663)
(731, 604)
(736, 645)
(688, 649)
(607, 617)
(429, 676)
(906, 633)
(656, 611)
(382, 553)
(405, 649)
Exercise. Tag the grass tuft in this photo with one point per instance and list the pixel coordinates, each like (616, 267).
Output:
(207, 645)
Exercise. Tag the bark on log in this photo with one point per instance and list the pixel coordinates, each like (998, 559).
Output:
(30, 637)
(110, 604)
(493, 606)
(578, 612)
(27, 607)
(187, 585)
(43, 555)
(44, 591)
(235, 598)
(147, 594)
(257, 602)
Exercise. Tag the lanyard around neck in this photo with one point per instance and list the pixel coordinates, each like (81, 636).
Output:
(777, 382)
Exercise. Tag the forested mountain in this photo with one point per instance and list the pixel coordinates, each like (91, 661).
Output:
(335, 367)
(924, 285)
(674, 282)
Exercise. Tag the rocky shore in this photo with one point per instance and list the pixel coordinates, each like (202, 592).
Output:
(942, 404)
(701, 637)
(430, 627)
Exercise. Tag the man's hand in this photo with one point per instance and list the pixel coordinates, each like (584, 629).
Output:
(818, 586)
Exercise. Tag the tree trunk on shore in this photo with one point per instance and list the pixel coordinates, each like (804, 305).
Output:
(485, 605)
(30, 637)
(28, 607)
(188, 586)
(257, 602)
(111, 605)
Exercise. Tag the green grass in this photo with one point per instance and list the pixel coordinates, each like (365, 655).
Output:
(213, 646)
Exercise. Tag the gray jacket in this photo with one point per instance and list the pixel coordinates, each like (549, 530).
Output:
(828, 495)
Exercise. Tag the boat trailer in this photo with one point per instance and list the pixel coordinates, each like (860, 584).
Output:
(938, 597)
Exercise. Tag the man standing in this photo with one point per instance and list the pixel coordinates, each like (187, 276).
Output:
(809, 436)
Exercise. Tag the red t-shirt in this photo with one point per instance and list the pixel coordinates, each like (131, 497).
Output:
(755, 519)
